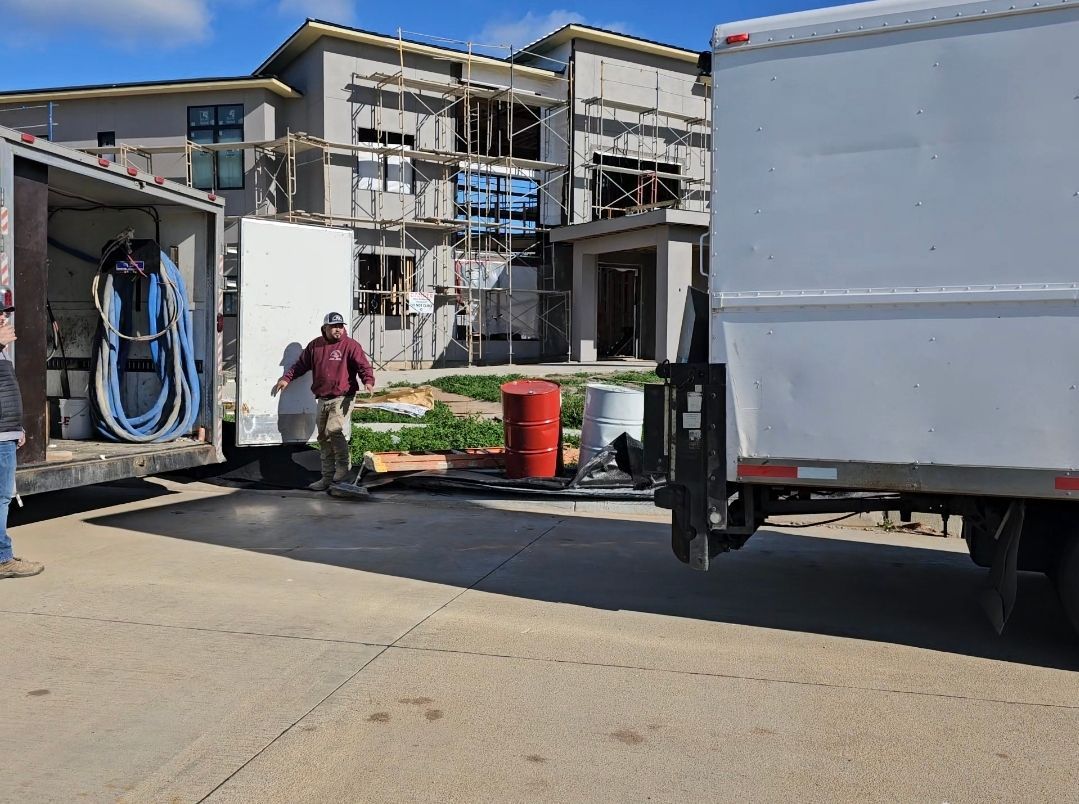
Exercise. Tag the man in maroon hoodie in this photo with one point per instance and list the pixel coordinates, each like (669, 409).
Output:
(334, 360)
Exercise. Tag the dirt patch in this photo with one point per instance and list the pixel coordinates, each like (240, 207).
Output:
(379, 717)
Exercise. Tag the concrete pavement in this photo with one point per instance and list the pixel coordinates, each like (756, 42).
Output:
(189, 644)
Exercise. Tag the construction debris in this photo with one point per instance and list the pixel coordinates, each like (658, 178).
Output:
(484, 458)
(415, 402)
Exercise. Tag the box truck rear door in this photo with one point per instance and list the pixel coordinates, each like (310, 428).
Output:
(291, 275)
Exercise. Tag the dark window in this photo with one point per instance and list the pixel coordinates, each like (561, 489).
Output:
(384, 282)
(487, 131)
(632, 185)
(208, 125)
(106, 139)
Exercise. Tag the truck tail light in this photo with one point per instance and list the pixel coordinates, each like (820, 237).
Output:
(738, 39)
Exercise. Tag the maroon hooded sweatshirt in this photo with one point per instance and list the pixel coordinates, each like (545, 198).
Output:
(333, 367)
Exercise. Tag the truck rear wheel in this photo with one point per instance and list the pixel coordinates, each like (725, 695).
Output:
(1065, 575)
(1046, 526)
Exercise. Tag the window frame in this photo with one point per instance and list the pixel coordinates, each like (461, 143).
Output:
(380, 139)
(107, 139)
(217, 129)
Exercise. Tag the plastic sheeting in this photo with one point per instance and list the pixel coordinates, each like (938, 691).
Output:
(415, 402)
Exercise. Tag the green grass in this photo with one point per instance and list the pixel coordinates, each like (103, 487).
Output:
(372, 415)
(441, 431)
(486, 387)
(573, 408)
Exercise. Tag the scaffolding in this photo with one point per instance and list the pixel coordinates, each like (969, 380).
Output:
(455, 144)
(452, 183)
(645, 141)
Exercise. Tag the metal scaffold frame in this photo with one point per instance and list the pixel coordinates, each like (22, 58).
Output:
(460, 181)
(471, 201)
(672, 128)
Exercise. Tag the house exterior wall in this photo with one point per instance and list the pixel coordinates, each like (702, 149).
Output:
(157, 120)
(358, 193)
(340, 97)
(625, 77)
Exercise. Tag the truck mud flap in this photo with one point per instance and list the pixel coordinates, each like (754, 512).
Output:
(685, 440)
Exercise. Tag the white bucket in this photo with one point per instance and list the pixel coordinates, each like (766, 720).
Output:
(609, 411)
(75, 424)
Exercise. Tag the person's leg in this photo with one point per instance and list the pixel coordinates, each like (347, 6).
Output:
(325, 447)
(7, 490)
(337, 425)
(10, 567)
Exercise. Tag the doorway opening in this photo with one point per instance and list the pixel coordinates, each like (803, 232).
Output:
(618, 314)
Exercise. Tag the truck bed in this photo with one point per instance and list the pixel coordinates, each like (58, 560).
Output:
(101, 462)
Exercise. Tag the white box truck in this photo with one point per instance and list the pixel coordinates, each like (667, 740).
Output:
(893, 310)
(61, 214)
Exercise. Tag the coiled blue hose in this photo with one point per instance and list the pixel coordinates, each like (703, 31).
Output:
(176, 408)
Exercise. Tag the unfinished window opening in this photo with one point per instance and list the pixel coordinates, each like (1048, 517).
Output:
(209, 125)
(383, 283)
(487, 132)
(107, 139)
(622, 186)
(495, 201)
(391, 173)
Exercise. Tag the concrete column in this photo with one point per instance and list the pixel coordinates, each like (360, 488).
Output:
(674, 276)
(585, 279)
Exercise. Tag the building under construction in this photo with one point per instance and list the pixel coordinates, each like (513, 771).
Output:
(507, 206)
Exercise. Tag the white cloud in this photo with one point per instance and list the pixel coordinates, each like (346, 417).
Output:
(329, 10)
(164, 24)
(532, 26)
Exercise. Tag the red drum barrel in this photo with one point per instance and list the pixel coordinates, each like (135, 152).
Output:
(531, 412)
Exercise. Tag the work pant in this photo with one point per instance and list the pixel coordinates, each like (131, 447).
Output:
(334, 428)
(7, 491)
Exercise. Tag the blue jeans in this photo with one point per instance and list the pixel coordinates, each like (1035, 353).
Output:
(7, 490)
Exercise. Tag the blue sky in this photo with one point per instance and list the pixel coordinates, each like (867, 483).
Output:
(48, 43)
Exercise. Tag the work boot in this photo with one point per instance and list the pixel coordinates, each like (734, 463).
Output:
(342, 474)
(17, 568)
(322, 484)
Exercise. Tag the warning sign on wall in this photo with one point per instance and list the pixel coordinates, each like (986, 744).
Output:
(421, 303)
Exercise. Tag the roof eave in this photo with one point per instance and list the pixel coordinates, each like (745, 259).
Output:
(311, 31)
(270, 84)
(574, 31)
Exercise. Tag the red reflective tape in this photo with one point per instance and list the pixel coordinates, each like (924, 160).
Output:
(1068, 484)
(756, 470)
